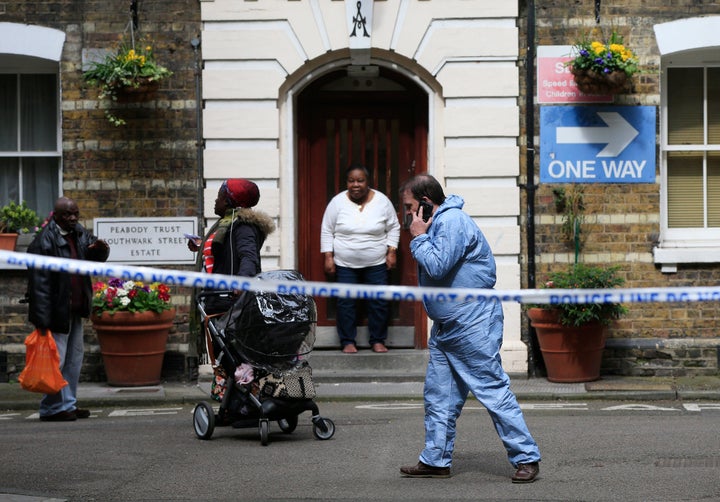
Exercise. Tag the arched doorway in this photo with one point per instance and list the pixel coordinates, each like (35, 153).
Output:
(379, 118)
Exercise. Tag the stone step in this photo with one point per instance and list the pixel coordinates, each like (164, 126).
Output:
(397, 365)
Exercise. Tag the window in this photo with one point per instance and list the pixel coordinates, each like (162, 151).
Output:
(29, 150)
(30, 144)
(692, 149)
(689, 143)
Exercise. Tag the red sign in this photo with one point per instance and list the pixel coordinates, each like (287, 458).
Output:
(555, 83)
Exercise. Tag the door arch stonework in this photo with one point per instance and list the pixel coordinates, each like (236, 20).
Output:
(377, 117)
(258, 58)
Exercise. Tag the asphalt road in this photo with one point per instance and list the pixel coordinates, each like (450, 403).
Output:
(594, 451)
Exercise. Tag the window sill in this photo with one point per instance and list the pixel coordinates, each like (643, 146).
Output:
(669, 257)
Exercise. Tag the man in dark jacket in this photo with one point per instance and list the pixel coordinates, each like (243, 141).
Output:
(58, 302)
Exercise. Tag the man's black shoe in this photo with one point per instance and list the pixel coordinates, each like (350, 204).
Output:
(61, 416)
(526, 473)
(82, 413)
(422, 470)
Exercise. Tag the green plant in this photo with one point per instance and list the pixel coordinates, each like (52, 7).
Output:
(127, 65)
(571, 204)
(582, 276)
(604, 57)
(18, 218)
(117, 295)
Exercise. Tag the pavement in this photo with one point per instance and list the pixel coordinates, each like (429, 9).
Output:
(12, 397)
(330, 387)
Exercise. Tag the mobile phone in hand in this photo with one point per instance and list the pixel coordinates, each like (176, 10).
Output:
(195, 238)
(426, 210)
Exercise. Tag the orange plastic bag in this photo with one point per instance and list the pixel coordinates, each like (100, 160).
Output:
(42, 365)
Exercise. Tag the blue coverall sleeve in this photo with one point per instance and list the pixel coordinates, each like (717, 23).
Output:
(440, 250)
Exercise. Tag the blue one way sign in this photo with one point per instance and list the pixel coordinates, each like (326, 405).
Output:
(597, 144)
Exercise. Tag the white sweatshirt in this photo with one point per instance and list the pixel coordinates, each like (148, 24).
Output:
(357, 238)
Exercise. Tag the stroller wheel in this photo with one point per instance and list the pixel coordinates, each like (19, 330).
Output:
(204, 420)
(287, 425)
(264, 431)
(323, 428)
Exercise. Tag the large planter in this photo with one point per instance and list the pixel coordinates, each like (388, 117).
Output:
(571, 354)
(133, 345)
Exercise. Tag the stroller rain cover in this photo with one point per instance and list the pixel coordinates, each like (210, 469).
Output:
(270, 329)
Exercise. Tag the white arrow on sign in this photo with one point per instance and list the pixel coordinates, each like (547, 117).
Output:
(617, 136)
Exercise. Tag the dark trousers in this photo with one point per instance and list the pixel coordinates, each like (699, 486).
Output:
(377, 310)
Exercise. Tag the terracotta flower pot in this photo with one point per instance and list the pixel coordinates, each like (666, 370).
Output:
(571, 354)
(7, 241)
(133, 345)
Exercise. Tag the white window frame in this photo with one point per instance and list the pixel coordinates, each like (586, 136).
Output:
(683, 43)
(34, 49)
(29, 49)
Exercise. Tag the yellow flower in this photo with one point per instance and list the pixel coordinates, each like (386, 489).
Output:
(598, 48)
(604, 56)
(127, 65)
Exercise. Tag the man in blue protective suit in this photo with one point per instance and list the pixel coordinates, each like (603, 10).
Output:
(466, 336)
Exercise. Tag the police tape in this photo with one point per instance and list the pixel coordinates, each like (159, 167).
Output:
(357, 291)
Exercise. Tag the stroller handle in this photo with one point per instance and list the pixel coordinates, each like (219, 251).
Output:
(202, 295)
(217, 292)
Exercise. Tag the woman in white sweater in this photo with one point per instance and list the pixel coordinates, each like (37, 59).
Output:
(358, 239)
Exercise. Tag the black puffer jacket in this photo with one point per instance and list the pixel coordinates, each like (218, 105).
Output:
(240, 254)
(49, 292)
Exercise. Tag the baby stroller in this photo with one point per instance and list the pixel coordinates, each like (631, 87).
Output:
(258, 351)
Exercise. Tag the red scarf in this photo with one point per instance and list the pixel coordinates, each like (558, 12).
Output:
(208, 258)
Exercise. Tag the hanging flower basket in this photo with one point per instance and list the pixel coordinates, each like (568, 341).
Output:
(145, 90)
(127, 74)
(593, 82)
(603, 67)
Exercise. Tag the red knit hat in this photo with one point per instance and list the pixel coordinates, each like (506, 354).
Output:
(241, 192)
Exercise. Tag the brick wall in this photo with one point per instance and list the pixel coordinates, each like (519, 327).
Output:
(623, 221)
(146, 168)
(149, 168)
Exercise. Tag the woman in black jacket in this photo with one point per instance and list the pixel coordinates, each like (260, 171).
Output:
(232, 245)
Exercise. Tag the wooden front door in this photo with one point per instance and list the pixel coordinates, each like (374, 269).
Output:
(386, 131)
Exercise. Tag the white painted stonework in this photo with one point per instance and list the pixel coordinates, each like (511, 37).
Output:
(259, 55)
(31, 40)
